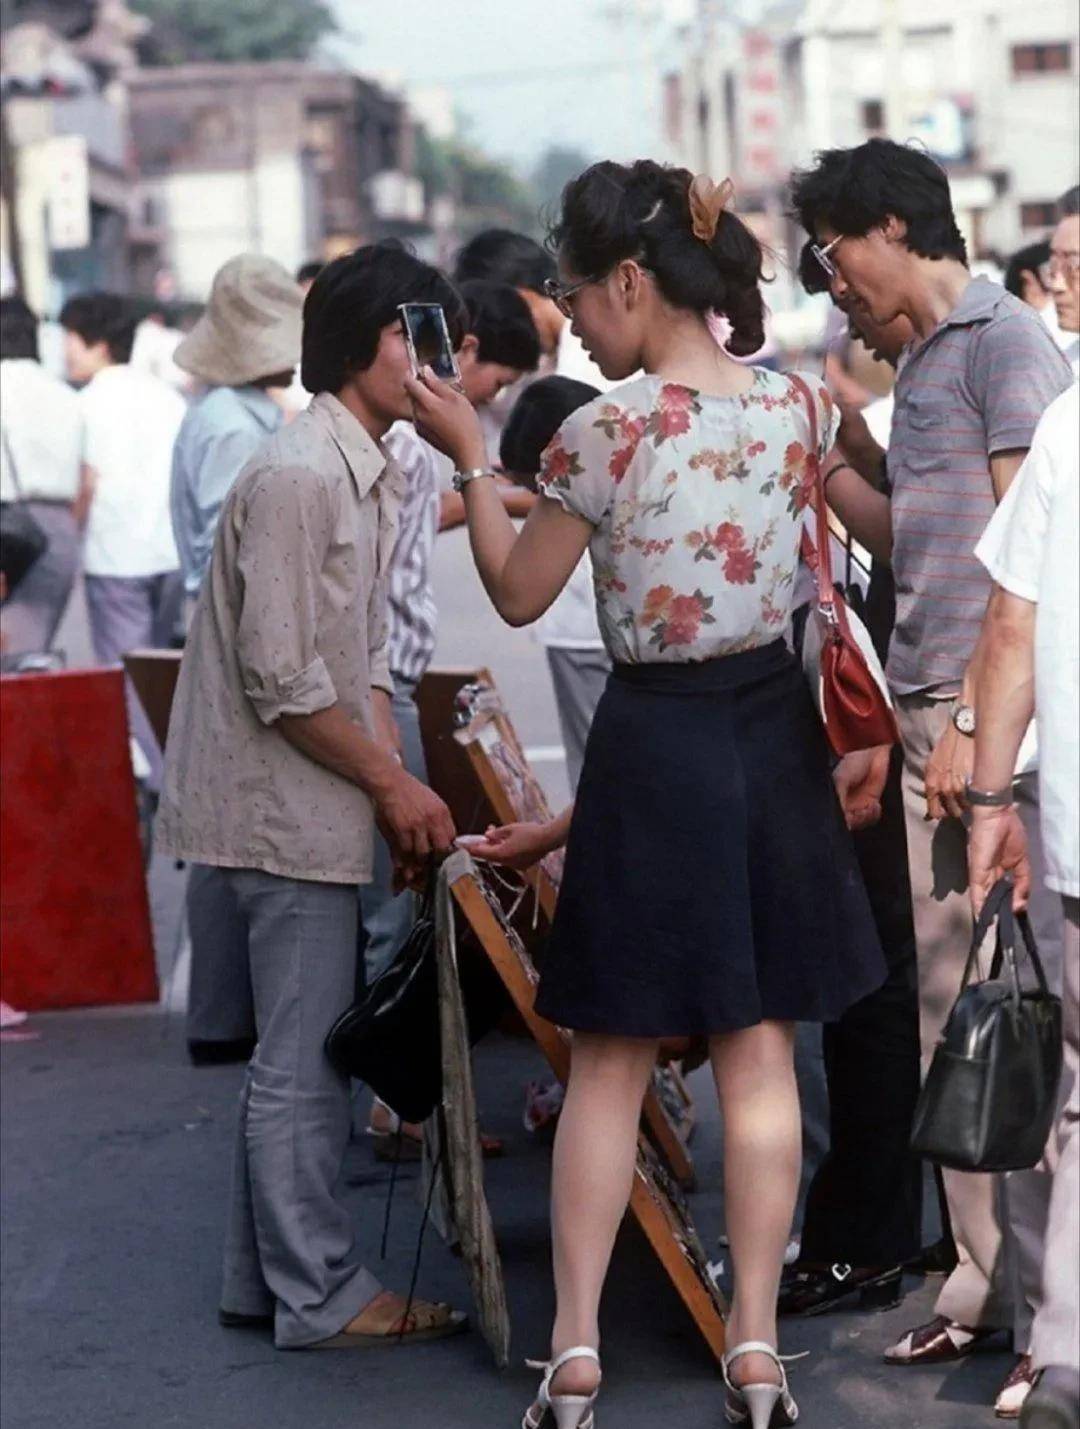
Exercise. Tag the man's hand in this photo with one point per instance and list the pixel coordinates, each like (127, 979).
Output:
(860, 780)
(415, 823)
(997, 845)
(947, 775)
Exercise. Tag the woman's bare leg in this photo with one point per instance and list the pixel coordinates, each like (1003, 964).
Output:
(592, 1176)
(755, 1079)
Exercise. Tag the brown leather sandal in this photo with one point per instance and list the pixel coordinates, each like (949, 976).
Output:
(425, 1320)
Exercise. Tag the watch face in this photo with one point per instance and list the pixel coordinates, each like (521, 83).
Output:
(964, 719)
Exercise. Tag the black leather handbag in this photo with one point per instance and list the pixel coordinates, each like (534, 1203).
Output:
(390, 1037)
(991, 1094)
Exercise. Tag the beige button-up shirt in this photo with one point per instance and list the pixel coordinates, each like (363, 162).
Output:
(291, 619)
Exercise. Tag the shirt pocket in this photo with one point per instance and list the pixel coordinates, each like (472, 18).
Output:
(926, 434)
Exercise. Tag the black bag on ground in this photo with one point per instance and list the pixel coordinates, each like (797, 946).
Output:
(991, 1094)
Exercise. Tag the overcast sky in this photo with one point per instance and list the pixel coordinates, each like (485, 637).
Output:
(526, 73)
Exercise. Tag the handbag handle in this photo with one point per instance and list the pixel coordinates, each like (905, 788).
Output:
(819, 560)
(998, 908)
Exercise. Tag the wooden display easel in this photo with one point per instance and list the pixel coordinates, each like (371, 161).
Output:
(656, 1203)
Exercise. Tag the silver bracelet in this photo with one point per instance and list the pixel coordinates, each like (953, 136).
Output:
(462, 478)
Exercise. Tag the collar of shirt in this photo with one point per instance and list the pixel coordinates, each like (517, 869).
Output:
(363, 455)
(261, 405)
(977, 304)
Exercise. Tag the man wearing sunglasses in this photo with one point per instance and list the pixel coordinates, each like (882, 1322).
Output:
(971, 387)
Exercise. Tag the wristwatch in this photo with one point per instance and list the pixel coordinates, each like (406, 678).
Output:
(963, 718)
(989, 798)
(462, 478)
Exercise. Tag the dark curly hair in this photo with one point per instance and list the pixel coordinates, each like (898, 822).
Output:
(642, 211)
(855, 190)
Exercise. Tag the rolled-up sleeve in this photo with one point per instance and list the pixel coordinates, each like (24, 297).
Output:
(286, 527)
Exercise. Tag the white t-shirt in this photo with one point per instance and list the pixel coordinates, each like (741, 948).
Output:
(42, 434)
(130, 421)
(1032, 549)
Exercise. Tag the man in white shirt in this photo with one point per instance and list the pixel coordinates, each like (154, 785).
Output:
(130, 419)
(1031, 662)
(40, 450)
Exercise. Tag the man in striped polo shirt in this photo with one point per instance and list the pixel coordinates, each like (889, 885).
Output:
(970, 389)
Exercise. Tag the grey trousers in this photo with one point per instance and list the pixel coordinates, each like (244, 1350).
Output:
(35, 608)
(1056, 1337)
(221, 1006)
(131, 613)
(579, 677)
(289, 1247)
(387, 916)
(998, 1223)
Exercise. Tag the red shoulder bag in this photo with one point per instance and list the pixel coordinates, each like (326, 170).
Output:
(853, 698)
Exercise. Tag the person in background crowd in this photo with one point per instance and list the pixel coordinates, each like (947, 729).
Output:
(1023, 276)
(863, 1219)
(134, 591)
(501, 256)
(500, 346)
(247, 340)
(706, 834)
(41, 442)
(568, 629)
(1027, 277)
(978, 374)
(154, 349)
(280, 761)
(1062, 275)
(1031, 664)
(307, 273)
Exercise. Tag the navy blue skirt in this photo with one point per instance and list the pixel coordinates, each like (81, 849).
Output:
(710, 880)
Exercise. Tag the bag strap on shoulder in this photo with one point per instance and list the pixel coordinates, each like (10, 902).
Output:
(820, 559)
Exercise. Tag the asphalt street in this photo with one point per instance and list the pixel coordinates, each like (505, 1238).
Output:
(115, 1153)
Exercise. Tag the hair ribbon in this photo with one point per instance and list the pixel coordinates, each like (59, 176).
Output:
(707, 202)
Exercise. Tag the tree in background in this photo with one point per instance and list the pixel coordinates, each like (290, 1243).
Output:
(556, 166)
(486, 192)
(187, 31)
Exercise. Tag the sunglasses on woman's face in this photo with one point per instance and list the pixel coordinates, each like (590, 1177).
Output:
(561, 293)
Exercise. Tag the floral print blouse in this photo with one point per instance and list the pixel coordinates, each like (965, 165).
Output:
(698, 503)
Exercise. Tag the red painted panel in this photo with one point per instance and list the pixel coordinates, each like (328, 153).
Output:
(74, 916)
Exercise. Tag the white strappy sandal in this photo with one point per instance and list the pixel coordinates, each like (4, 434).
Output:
(764, 1406)
(570, 1411)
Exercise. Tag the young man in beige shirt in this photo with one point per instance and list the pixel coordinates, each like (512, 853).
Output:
(281, 761)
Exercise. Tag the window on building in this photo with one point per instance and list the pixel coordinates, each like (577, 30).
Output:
(873, 115)
(1041, 213)
(1042, 59)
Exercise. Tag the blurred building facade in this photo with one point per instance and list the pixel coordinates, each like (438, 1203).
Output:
(69, 181)
(147, 179)
(282, 158)
(988, 86)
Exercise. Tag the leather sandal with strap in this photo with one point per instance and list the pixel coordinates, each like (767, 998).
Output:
(423, 1320)
(570, 1411)
(763, 1405)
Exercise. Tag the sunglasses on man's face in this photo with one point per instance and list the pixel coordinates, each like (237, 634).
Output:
(822, 253)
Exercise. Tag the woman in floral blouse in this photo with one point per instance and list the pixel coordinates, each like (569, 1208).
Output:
(710, 884)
